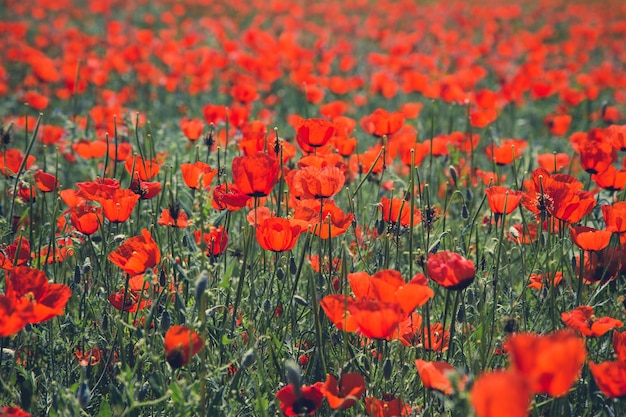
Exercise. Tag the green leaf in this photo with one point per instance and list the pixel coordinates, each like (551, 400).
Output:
(177, 393)
(105, 409)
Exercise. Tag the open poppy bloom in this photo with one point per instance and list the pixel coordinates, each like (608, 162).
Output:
(306, 400)
(435, 338)
(130, 300)
(320, 183)
(90, 357)
(331, 223)
(11, 160)
(314, 133)
(197, 175)
(539, 281)
(588, 238)
(508, 151)
(551, 363)
(345, 393)
(450, 270)
(181, 344)
(144, 169)
(137, 254)
(146, 190)
(119, 205)
(611, 179)
(502, 200)
(14, 314)
(174, 216)
(376, 319)
(388, 406)
(501, 393)
(15, 254)
(610, 377)
(192, 128)
(255, 175)
(596, 155)
(45, 182)
(227, 196)
(13, 412)
(584, 321)
(436, 375)
(619, 345)
(277, 234)
(382, 123)
(86, 219)
(28, 284)
(214, 242)
(615, 217)
(398, 211)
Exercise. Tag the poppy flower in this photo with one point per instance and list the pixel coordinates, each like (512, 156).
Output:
(398, 211)
(88, 149)
(214, 242)
(619, 345)
(551, 363)
(45, 182)
(611, 179)
(345, 393)
(376, 319)
(584, 321)
(11, 160)
(610, 377)
(13, 412)
(588, 238)
(327, 220)
(450, 270)
(192, 128)
(227, 196)
(410, 329)
(539, 281)
(255, 175)
(14, 314)
(100, 188)
(296, 402)
(615, 217)
(145, 169)
(508, 151)
(382, 123)
(90, 357)
(137, 254)
(553, 162)
(15, 254)
(500, 393)
(502, 200)
(49, 300)
(435, 338)
(173, 217)
(146, 190)
(336, 308)
(436, 375)
(197, 175)
(118, 206)
(616, 134)
(596, 156)
(388, 406)
(181, 344)
(86, 219)
(129, 300)
(277, 234)
(314, 133)
(313, 182)
(558, 124)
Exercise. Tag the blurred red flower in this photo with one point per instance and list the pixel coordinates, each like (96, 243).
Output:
(450, 270)
(137, 254)
(181, 344)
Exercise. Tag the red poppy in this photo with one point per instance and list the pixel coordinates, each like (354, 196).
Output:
(502, 200)
(129, 300)
(588, 238)
(616, 134)
(227, 196)
(382, 123)
(181, 344)
(11, 255)
(119, 205)
(336, 308)
(313, 182)
(296, 402)
(88, 149)
(398, 211)
(277, 234)
(49, 300)
(100, 188)
(326, 221)
(501, 393)
(523, 234)
(389, 406)
(173, 217)
(14, 314)
(146, 190)
(196, 174)
(45, 182)
(539, 281)
(255, 175)
(615, 217)
(551, 363)
(410, 329)
(86, 219)
(91, 357)
(314, 133)
(376, 319)
(610, 377)
(619, 345)
(596, 155)
(345, 393)
(584, 321)
(435, 338)
(13, 412)
(553, 162)
(611, 179)
(450, 270)
(508, 151)
(558, 124)
(137, 254)
(437, 375)
(11, 160)
(192, 128)
(214, 242)
(145, 169)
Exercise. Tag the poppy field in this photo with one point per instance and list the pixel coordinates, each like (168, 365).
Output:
(266, 208)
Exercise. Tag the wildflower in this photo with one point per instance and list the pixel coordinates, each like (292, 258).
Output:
(255, 175)
(502, 200)
(436, 375)
(137, 254)
(197, 175)
(181, 343)
(46, 182)
(173, 216)
(192, 128)
(382, 123)
(450, 270)
(508, 151)
(313, 182)
(610, 377)
(590, 239)
(584, 321)
(398, 211)
(86, 219)
(227, 196)
(214, 242)
(304, 400)
(314, 133)
(345, 393)
(144, 169)
(277, 234)
(615, 217)
(501, 393)
(388, 406)
(14, 314)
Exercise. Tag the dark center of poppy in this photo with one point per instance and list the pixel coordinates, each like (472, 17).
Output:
(303, 406)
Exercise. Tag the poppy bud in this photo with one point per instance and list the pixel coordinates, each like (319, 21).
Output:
(166, 321)
(452, 171)
(162, 278)
(248, 358)
(468, 194)
(387, 369)
(143, 392)
(77, 277)
(465, 212)
(83, 394)
(105, 322)
(87, 265)
(202, 282)
(280, 274)
(293, 267)
(294, 375)
(300, 300)
(267, 306)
